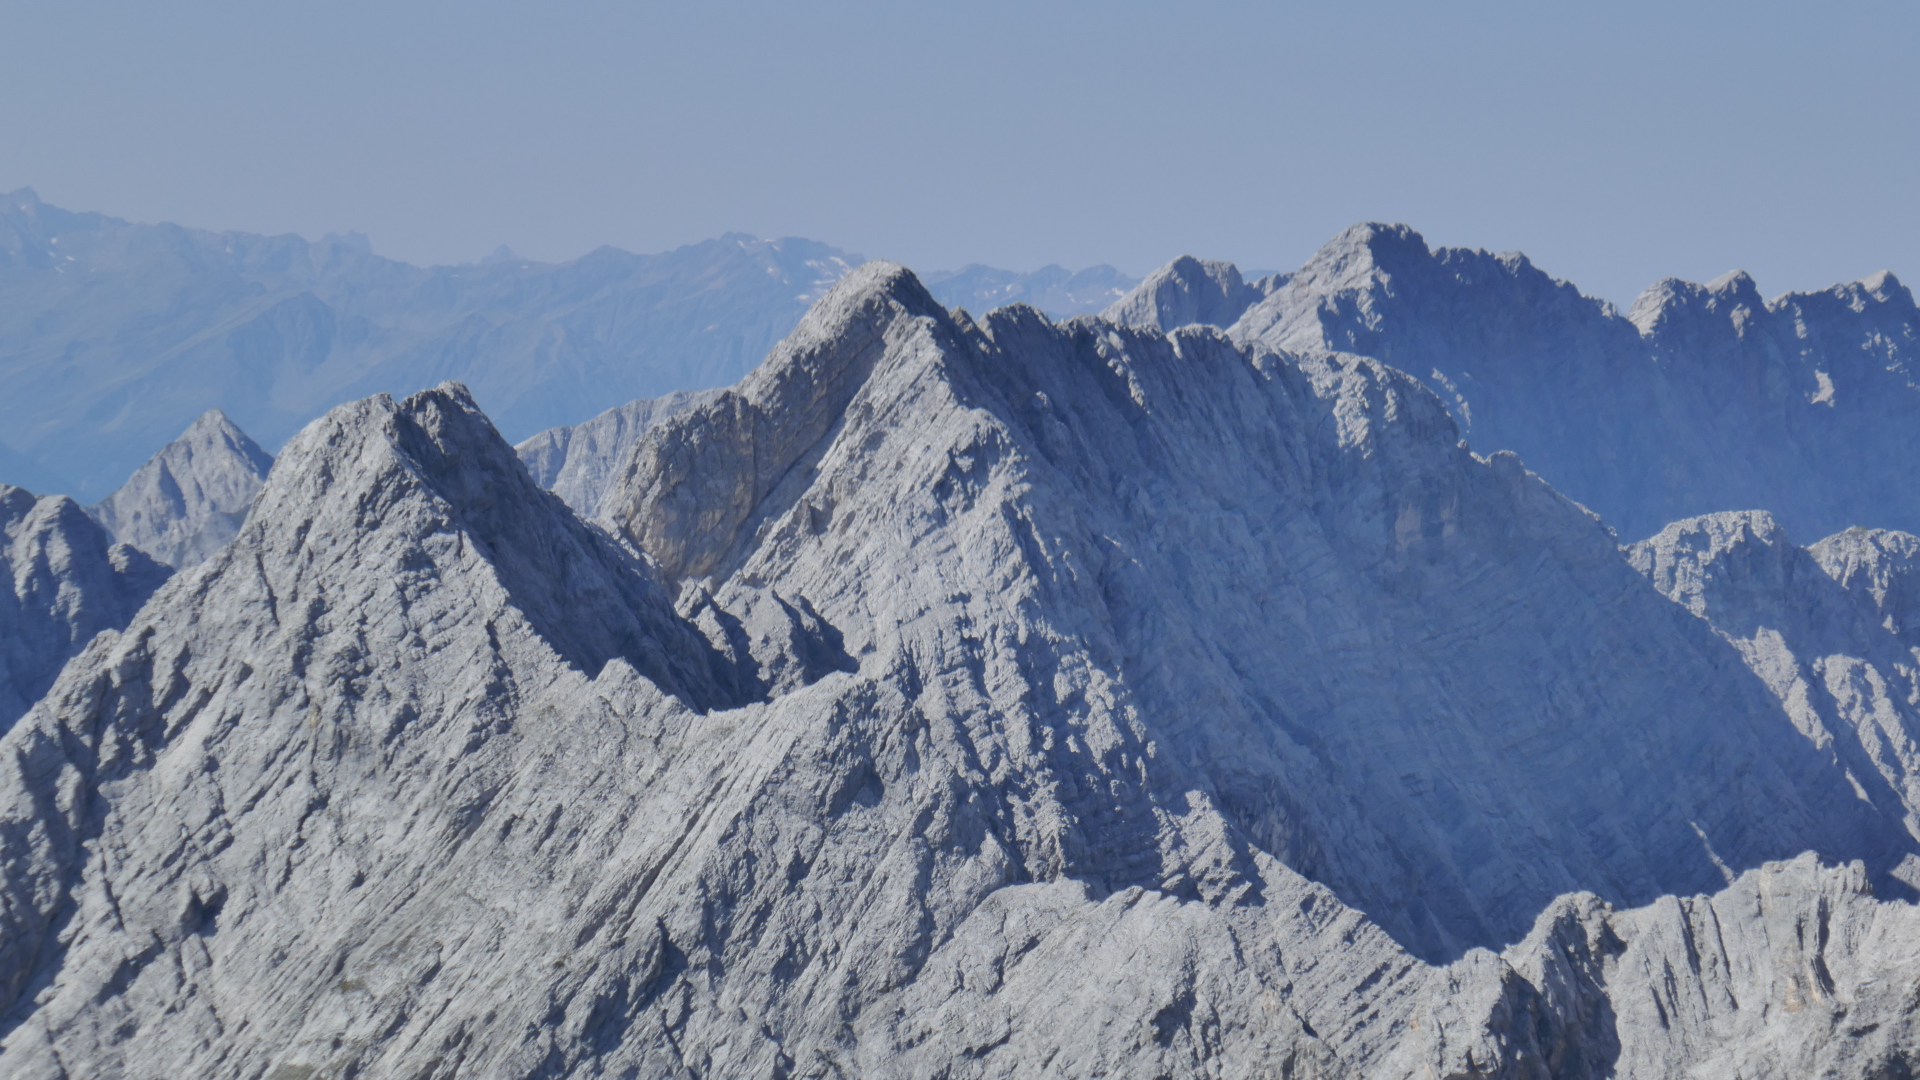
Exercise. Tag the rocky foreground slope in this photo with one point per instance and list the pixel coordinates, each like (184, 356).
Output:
(1701, 398)
(992, 698)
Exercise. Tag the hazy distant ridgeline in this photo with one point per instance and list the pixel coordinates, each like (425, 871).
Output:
(115, 336)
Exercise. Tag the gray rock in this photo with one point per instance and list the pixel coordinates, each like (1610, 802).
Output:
(1793, 970)
(1187, 291)
(1813, 628)
(1035, 700)
(1885, 566)
(189, 501)
(67, 582)
(114, 336)
(576, 462)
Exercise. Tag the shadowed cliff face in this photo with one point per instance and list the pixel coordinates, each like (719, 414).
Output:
(1030, 697)
(191, 498)
(66, 581)
(1702, 398)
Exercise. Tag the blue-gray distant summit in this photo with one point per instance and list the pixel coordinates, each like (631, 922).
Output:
(1702, 398)
(114, 336)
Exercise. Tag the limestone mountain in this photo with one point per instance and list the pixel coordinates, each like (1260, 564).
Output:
(66, 582)
(1822, 627)
(190, 499)
(576, 461)
(1700, 399)
(1187, 291)
(958, 698)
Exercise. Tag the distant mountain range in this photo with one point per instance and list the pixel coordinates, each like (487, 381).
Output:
(115, 336)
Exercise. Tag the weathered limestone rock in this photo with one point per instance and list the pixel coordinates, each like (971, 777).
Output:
(189, 501)
(67, 581)
(1189, 291)
(579, 461)
(1812, 624)
(1700, 398)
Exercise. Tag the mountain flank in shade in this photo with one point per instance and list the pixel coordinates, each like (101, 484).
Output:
(1701, 398)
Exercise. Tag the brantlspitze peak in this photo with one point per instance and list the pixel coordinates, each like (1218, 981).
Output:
(965, 696)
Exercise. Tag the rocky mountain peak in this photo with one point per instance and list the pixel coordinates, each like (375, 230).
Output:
(1885, 287)
(1188, 291)
(1880, 296)
(189, 500)
(1673, 307)
(429, 477)
(695, 481)
(1211, 690)
(1724, 551)
(1362, 258)
(1827, 629)
(65, 581)
(1097, 475)
(1369, 244)
(1372, 278)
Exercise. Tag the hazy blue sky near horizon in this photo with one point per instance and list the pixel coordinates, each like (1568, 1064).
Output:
(1614, 143)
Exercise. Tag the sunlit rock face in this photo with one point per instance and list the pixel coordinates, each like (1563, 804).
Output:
(1825, 628)
(950, 697)
(577, 461)
(191, 498)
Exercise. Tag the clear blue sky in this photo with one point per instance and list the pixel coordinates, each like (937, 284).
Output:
(1614, 142)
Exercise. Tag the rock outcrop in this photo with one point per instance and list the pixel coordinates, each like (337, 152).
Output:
(189, 501)
(1032, 700)
(68, 581)
(1884, 566)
